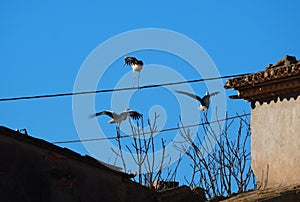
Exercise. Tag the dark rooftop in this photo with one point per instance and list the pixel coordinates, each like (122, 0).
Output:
(63, 151)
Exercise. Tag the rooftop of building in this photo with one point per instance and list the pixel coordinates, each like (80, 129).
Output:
(281, 79)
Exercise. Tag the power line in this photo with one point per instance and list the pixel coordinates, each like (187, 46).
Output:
(114, 90)
(156, 131)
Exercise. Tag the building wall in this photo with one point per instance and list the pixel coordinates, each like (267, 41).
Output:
(275, 142)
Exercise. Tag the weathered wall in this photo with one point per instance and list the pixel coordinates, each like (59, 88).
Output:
(275, 142)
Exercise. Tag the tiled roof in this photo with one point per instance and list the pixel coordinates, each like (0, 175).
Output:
(281, 79)
(286, 67)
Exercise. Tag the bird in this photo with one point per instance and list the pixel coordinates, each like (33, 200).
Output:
(136, 65)
(204, 101)
(118, 118)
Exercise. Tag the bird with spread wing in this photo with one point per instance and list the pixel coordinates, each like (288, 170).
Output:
(136, 65)
(118, 118)
(204, 101)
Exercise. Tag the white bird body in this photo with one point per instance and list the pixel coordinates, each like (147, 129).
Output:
(136, 65)
(118, 118)
(204, 101)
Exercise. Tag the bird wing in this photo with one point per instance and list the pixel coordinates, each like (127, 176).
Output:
(214, 93)
(139, 62)
(106, 112)
(130, 60)
(191, 95)
(134, 114)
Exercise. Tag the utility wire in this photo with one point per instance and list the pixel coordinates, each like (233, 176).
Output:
(164, 130)
(114, 90)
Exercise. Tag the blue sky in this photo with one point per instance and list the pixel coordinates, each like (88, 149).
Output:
(43, 45)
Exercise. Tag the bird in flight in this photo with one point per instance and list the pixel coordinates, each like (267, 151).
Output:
(204, 101)
(136, 65)
(118, 118)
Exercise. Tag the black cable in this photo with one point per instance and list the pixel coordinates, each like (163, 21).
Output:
(164, 130)
(113, 90)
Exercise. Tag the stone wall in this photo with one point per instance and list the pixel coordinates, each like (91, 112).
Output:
(275, 142)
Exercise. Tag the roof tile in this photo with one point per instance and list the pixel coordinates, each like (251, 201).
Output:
(286, 67)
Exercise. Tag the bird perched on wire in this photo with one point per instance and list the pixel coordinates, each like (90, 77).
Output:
(118, 118)
(204, 101)
(136, 65)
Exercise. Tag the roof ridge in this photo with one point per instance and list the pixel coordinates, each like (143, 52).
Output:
(287, 60)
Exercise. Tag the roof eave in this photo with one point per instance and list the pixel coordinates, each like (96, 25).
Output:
(284, 87)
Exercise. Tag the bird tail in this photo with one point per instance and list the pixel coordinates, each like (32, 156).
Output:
(202, 108)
